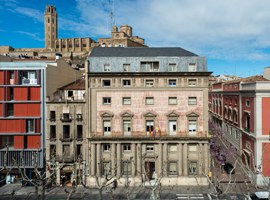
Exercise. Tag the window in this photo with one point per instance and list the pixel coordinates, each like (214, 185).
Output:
(106, 168)
(10, 110)
(11, 94)
(79, 151)
(192, 67)
(126, 100)
(172, 82)
(172, 168)
(172, 148)
(106, 147)
(6, 140)
(126, 148)
(107, 68)
(107, 127)
(52, 115)
(150, 148)
(126, 83)
(149, 100)
(52, 151)
(235, 118)
(172, 100)
(126, 67)
(30, 125)
(192, 82)
(149, 83)
(106, 83)
(192, 127)
(192, 168)
(52, 131)
(79, 131)
(127, 127)
(172, 127)
(66, 150)
(236, 135)
(231, 131)
(248, 103)
(247, 122)
(70, 93)
(172, 67)
(149, 66)
(192, 100)
(66, 131)
(106, 100)
(149, 127)
(126, 167)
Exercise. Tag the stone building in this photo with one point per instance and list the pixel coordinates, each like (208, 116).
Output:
(122, 38)
(148, 115)
(65, 128)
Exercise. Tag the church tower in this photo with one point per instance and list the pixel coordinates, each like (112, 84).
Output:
(51, 28)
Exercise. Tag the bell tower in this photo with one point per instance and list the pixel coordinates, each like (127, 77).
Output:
(50, 27)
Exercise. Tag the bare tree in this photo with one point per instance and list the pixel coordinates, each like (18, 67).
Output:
(241, 161)
(42, 178)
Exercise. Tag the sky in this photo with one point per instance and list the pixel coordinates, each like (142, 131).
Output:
(234, 35)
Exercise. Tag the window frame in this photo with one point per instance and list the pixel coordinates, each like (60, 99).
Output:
(192, 101)
(170, 166)
(171, 100)
(148, 101)
(106, 101)
(106, 83)
(172, 82)
(126, 100)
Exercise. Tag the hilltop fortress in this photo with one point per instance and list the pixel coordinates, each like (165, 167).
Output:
(74, 46)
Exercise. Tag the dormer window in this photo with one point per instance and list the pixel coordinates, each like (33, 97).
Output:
(192, 67)
(107, 68)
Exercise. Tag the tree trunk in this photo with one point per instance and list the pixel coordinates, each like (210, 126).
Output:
(100, 193)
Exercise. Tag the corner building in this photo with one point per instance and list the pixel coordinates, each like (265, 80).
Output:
(148, 115)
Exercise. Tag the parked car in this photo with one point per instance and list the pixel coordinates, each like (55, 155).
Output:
(260, 196)
(228, 167)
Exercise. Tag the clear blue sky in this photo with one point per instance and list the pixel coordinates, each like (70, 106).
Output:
(235, 39)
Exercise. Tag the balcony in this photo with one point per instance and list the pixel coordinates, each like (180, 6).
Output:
(79, 117)
(52, 139)
(23, 158)
(66, 139)
(66, 159)
(66, 118)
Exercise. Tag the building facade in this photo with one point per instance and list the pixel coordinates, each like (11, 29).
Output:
(65, 127)
(240, 107)
(148, 115)
(22, 114)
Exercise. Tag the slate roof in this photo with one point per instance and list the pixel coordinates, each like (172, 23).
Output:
(140, 52)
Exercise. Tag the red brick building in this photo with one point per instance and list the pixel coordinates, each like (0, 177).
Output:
(242, 108)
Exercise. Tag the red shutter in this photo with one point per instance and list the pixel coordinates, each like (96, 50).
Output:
(18, 142)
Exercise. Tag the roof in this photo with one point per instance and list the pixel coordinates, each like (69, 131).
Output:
(76, 85)
(140, 52)
(248, 79)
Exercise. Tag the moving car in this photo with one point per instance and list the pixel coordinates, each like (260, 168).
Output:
(228, 167)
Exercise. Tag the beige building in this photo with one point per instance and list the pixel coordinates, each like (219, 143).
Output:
(122, 38)
(65, 128)
(148, 115)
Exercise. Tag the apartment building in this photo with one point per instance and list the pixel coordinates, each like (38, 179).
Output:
(148, 115)
(22, 103)
(241, 108)
(24, 87)
(65, 127)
